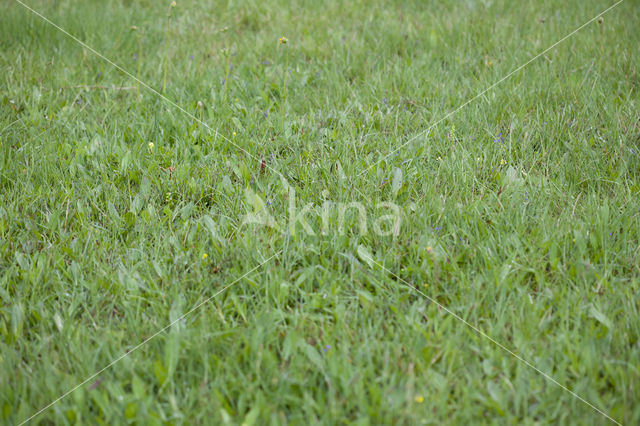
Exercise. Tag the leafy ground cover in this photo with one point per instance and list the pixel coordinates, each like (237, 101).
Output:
(123, 208)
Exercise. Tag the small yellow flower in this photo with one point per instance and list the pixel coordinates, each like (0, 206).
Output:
(503, 162)
(429, 249)
(173, 4)
(426, 285)
(419, 399)
(283, 40)
(204, 256)
(151, 145)
(234, 133)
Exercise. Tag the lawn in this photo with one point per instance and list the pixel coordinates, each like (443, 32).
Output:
(262, 212)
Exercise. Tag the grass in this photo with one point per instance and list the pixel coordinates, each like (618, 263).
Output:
(519, 213)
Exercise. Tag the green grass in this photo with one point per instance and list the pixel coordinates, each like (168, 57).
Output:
(519, 212)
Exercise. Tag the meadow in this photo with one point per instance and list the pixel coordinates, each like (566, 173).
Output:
(503, 288)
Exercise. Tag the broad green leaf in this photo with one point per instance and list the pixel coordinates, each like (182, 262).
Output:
(226, 184)
(160, 372)
(129, 219)
(58, 321)
(314, 356)
(238, 124)
(138, 387)
(396, 182)
(251, 417)
(365, 255)
(131, 410)
(23, 261)
(600, 317)
(210, 225)
(16, 320)
(113, 212)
